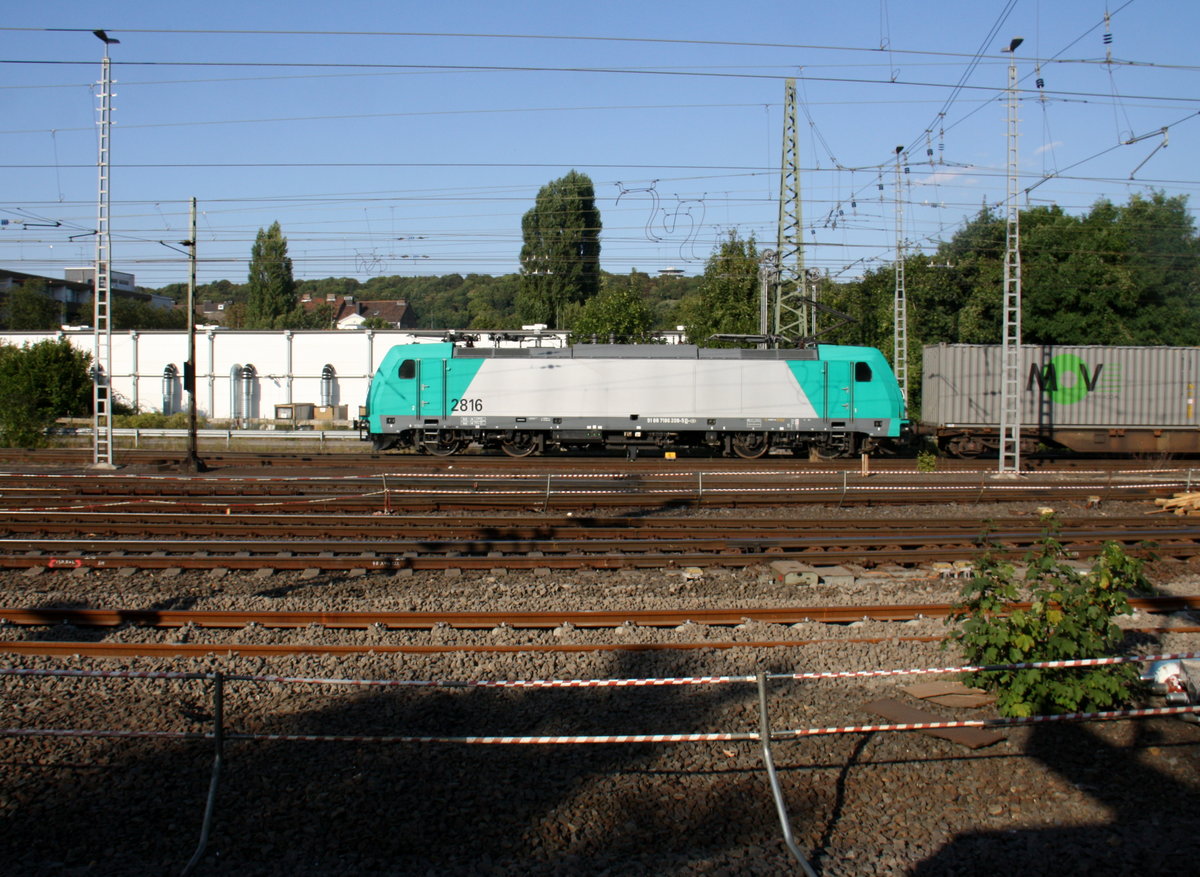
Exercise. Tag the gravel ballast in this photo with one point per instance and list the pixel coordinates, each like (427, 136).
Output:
(1116, 797)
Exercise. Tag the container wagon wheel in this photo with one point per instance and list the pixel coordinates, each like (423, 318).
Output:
(965, 446)
(446, 444)
(522, 444)
(750, 445)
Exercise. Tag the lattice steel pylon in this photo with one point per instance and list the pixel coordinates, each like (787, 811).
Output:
(102, 445)
(900, 299)
(1010, 373)
(794, 316)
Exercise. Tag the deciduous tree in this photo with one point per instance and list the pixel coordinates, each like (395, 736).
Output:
(29, 308)
(617, 314)
(39, 383)
(729, 292)
(560, 256)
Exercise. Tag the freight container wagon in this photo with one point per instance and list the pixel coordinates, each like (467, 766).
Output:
(1099, 399)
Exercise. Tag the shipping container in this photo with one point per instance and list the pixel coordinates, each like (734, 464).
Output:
(1093, 398)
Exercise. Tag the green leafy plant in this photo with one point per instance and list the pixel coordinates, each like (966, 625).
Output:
(927, 461)
(38, 384)
(1069, 616)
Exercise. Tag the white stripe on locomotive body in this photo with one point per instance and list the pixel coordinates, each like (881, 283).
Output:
(650, 388)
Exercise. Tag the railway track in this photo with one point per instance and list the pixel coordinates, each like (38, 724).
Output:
(684, 544)
(425, 491)
(318, 456)
(152, 621)
(168, 618)
(130, 532)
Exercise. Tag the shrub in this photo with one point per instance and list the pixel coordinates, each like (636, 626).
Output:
(1070, 616)
(38, 384)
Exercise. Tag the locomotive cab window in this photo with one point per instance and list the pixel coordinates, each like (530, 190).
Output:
(408, 369)
(862, 372)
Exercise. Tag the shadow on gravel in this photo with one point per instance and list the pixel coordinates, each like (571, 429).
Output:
(134, 807)
(1154, 827)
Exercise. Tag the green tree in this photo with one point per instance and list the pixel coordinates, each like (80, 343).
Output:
(491, 301)
(272, 290)
(39, 383)
(560, 256)
(729, 291)
(619, 314)
(29, 308)
(132, 314)
(299, 317)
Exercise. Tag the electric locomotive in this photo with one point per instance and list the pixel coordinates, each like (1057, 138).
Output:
(826, 400)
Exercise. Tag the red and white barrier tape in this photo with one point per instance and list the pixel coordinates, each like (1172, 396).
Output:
(991, 723)
(571, 739)
(602, 683)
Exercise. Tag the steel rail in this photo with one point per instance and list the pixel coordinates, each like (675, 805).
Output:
(474, 528)
(44, 648)
(643, 543)
(616, 558)
(316, 454)
(170, 618)
(531, 500)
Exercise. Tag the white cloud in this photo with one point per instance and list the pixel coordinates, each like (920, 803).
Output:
(945, 178)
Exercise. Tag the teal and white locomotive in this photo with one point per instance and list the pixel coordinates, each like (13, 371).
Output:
(827, 400)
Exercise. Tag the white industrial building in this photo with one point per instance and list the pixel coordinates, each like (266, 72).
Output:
(259, 375)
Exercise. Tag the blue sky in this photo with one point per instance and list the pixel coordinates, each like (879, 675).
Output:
(409, 138)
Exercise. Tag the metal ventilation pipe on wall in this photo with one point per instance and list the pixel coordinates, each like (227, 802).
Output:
(247, 391)
(170, 375)
(327, 386)
(235, 397)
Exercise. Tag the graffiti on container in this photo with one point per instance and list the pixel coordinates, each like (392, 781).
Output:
(1067, 379)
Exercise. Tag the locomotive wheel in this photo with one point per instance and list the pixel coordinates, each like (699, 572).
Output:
(447, 444)
(834, 449)
(522, 444)
(823, 453)
(750, 445)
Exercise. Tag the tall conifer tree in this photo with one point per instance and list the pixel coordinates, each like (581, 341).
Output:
(272, 289)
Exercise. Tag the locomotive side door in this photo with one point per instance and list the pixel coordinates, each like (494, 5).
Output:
(839, 390)
(431, 381)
